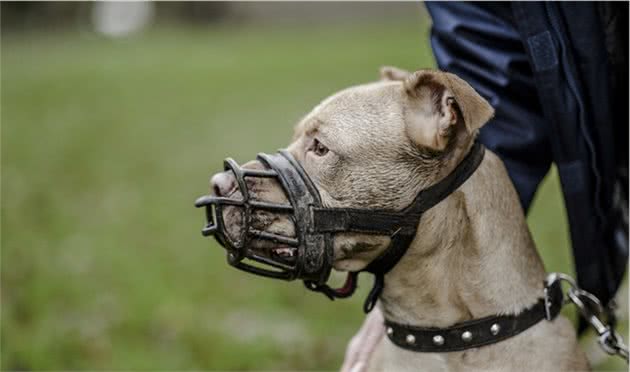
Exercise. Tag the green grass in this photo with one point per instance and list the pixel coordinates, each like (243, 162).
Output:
(105, 146)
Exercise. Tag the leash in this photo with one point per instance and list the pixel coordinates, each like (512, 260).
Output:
(592, 310)
(492, 329)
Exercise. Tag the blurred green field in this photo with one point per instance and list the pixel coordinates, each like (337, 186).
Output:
(105, 146)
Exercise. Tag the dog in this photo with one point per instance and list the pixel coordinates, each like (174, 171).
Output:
(376, 146)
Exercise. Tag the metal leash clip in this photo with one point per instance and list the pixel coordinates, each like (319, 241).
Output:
(550, 281)
(591, 308)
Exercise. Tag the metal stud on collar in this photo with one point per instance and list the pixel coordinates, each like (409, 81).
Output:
(485, 331)
(495, 329)
(438, 340)
(390, 331)
(411, 339)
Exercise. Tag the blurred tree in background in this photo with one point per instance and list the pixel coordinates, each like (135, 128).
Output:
(24, 16)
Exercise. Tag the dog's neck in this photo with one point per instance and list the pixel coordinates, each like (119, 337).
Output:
(473, 256)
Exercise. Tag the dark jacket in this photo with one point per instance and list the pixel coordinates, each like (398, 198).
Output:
(557, 75)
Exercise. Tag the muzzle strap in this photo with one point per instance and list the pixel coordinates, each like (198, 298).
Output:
(336, 220)
(393, 223)
(432, 195)
(425, 200)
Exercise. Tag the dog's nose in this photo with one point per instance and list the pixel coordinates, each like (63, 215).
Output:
(223, 184)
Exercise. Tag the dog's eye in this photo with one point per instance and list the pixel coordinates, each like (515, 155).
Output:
(318, 149)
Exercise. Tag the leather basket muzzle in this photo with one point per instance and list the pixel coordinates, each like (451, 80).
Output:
(312, 252)
(315, 225)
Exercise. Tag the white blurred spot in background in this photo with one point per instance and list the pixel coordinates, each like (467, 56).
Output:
(118, 19)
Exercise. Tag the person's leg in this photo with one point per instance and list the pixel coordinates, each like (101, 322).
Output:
(479, 43)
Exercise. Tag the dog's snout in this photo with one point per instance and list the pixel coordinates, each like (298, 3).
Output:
(223, 184)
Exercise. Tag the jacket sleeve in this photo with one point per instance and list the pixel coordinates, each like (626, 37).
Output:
(479, 43)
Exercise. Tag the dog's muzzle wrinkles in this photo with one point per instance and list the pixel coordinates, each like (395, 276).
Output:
(311, 247)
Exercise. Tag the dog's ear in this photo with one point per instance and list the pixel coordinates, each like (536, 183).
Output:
(474, 108)
(390, 73)
(437, 102)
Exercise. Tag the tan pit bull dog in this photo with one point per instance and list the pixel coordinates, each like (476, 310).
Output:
(376, 146)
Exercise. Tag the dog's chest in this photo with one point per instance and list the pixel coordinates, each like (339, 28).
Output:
(389, 357)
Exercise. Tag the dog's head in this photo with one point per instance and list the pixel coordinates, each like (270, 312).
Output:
(372, 146)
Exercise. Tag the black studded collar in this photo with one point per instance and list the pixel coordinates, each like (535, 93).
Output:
(477, 332)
